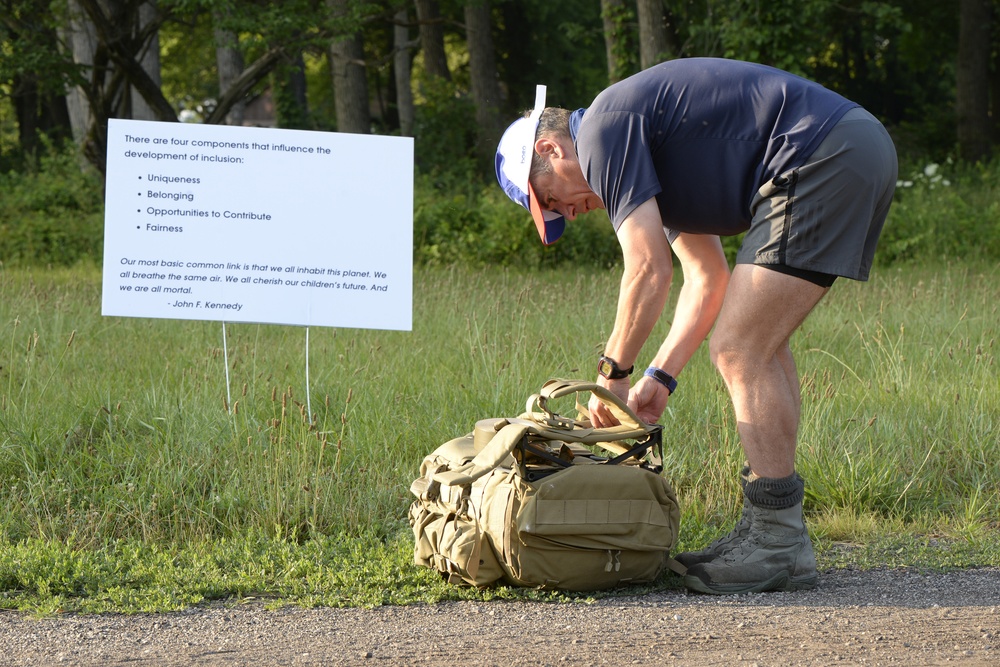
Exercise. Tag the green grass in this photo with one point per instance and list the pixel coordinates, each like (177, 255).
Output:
(127, 485)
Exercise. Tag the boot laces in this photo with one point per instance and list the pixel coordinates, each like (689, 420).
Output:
(744, 547)
(738, 531)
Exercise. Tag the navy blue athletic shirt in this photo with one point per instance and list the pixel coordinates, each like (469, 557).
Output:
(701, 135)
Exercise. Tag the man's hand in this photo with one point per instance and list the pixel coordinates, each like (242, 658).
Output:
(648, 399)
(600, 416)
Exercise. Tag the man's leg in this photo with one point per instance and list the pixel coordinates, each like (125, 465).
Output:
(750, 348)
(769, 549)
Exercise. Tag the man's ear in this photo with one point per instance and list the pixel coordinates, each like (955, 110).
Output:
(548, 148)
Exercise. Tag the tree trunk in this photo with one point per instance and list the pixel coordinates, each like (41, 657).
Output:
(350, 80)
(290, 93)
(432, 39)
(401, 61)
(229, 62)
(80, 35)
(615, 16)
(122, 38)
(149, 60)
(38, 113)
(654, 44)
(108, 38)
(238, 89)
(38, 106)
(995, 92)
(483, 75)
(24, 95)
(972, 78)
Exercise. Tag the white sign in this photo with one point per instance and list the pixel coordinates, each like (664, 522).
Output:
(244, 224)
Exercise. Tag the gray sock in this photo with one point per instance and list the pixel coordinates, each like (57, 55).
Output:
(775, 494)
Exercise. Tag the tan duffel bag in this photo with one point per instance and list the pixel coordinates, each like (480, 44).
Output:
(546, 501)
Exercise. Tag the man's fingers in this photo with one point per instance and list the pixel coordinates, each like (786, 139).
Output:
(602, 417)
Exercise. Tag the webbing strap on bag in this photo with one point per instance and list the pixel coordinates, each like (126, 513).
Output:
(491, 457)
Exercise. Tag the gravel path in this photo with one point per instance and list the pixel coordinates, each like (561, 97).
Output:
(891, 617)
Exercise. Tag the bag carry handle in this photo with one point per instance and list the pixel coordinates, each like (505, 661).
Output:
(630, 426)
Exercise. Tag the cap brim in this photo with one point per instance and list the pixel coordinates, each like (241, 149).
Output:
(550, 225)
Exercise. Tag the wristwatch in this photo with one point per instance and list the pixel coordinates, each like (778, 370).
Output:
(608, 368)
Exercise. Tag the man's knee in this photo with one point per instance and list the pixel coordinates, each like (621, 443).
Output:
(725, 352)
(731, 354)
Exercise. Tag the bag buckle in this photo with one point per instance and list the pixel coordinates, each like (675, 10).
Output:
(557, 421)
(549, 418)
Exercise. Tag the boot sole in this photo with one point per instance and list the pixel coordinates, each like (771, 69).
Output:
(779, 582)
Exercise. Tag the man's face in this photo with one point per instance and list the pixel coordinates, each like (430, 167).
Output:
(565, 190)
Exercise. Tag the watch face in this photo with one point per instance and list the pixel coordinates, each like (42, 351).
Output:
(607, 368)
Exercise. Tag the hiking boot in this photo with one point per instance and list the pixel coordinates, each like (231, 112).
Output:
(691, 558)
(776, 553)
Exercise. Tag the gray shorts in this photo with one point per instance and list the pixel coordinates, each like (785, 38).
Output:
(826, 215)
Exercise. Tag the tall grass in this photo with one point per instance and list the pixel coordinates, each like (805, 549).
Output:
(115, 427)
(117, 430)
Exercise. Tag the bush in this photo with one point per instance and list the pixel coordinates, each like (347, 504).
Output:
(53, 211)
(444, 129)
(461, 220)
(944, 211)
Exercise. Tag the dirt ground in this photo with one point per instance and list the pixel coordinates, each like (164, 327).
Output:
(891, 617)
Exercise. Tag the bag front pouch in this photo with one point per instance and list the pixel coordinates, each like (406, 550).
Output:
(593, 526)
(447, 530)
(453, 544)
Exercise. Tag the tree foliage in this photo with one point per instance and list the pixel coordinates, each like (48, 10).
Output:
(899, 58)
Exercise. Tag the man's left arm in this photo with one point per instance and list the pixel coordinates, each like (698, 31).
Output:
(706, 275)
(643, 293)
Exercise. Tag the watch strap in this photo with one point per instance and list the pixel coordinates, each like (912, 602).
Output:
(664, 378)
